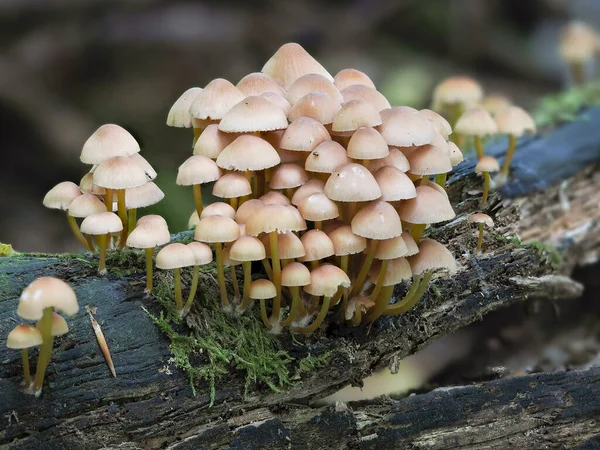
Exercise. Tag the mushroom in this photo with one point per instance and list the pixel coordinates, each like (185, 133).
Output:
(202, 255)
(263, 290)
(485, 166)
(349, 77)
(294, 276)
(288, 176)
(478, 123)
(387, 275)
(367, 144)
(366, 93)
(317, 105)
(247, 249)
(23, 337)
(317, 208)
(356, 307)
(405, 127)
(211, 141)
(481, 219)
(327, 157)
(176, 256)
(60, 197)
(312, 82)
(454, 95)
(232, 185)
(253, 114)
(83, 206)
(346, 243)
(258, 83)
(578, 46)
(141, 197)
(102, 225)
(353, 115)
(179, 114)
(514, 122)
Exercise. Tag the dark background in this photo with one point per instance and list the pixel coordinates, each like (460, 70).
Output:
(68, 66)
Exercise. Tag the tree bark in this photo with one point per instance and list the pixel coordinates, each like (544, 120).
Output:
(553, 197)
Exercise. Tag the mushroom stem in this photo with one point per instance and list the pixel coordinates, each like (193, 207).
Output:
(512, 146)
(276, 274)
(289, 193)
(178, 298)
(344, 266)
(322, 314)
(122, 215)
(77, 232)
(233, 201)
(351, 211)
(261, 183)
(382, 301)
(268, 269)
(318, 224)
(380, 279)
(264, 315)
(108, 199)
(441, 178)
(577, 73)
(486, 187)
(45, 350)
(102, 241)
(198, 198)
(364, 269)
(247, 267)
(197, 133)
(26, 372)
(149, 266)
(297, 309)
(90, 243)
(221, 274)
(193, 289)
(366, 163)
(131, 220)
(416, 231)
(479, 147)
(236, 285)
(407, 303)
(479, 238)
(357, 318)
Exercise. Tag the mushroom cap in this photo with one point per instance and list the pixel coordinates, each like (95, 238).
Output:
(495, 104)
(47, 292)
(274, 198)
(215, 100)
(301, 223)
(279, 101)
(303, 135)
(317, 245)
(312, 82)
(377, 220)
(481, 218)
(202, 253)
(262, 289)
(212, 141)
(462, 90)
(396, 159)
(432, 255)
(107, 142)
(253, 114)
(349, 77)
(290, 62)
(120, 172)
(366, 93)
(318, 207)
(434, 185)
(326, 158)
(218, 209)
(149, 233)
(289, 245)
(394, 184)
(360, 301)
(145, 165)
(578, 42)
(179, 114)
(456, 156)
(402, 127)
(295, 274)
(442, 126)
(487, 164)
(247, 209)
(392, 248)
(514, 121)
(101, 223)
(175, 256)
(355, 114)
(476, 121)
(87, 186)
(317, 105)
(248, 153)
(216, 229)
(430, 159)
(411, 245)
(367, 143)
(247, 248)
(312, 186)
(24, 336)
(326, 279)
(288, 175)
(62, 195)
(198, 169)
(59, 325)
(258, 83)
(232, 185)
(271, 218)
(429, 206)
(345, 242)
(398, 270)
(352, 183)
(143, 196)
(86, 205)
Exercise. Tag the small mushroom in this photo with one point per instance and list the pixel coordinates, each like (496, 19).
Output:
(481, 220)
(23, 337)
(175, 256)
(102, 225)
(202, 255)
(485, 166)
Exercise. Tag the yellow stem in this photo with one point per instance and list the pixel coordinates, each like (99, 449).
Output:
(297, 309)
(90, 243)
(198, 198)
(364, 270)
(77, 232)
(45, 350)
(479, 147)
(102, 241)
(264, 315)
(318, 224)
(26, 372)
(193, 289)
(149, 268)
(234, 281)
(131, 220)
(389, 309)
(233, 201)
(276, 275)
(512, 146)
(108, 199)
(178, 297)
(322, 314)
(441, 178)
(123, 215)
(479, 238)
(486, 187)
(357, 318)
(247, 267)
(380, 278)
(405, 305)
(221, 274)
(268, 269)
(197, 133)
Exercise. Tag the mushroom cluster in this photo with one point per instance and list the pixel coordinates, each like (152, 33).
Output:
(41, 301)
(323, 184)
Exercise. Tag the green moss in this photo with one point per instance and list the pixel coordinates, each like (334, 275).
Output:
(566, 106)
(547, 252)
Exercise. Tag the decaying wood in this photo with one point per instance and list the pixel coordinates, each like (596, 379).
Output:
(150, 403)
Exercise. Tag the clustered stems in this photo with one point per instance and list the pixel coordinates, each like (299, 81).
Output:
(178, 296)
(77, 232)
(122, 215)
(193, 289)
(364, 269)
(319, 319)
(221, 274)
(479, 147)
(149, 268)
(275, 311)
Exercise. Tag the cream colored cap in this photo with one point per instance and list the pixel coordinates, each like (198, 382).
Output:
(326, 158)
(253, 114)
(258, 83)
(392, 248)
(430, 159)
(461, 90)
(377, 220)
(411, 245)
(482, 218)
(352, 183)
(143, 196)
(515, 121)
(217, 229)
(248, 153)
(212, 141)
(62, 195)
(247, 248)
(398, 270)
(46, 292)
(247, 209)
(495, 104)
(366, 143)
(456, 156)
(317, 105)
(279, 101)
(232, 185)
(107, 142)
(318, 207)
(303, 135)
(360, 301)
(442, 126)
(349, 77)
(59, 325)
(394, 184)
(312, 186)
(290, 246)
(175, 256)
(370, 95)
(262, 289)
(218, 209)
(345, 242)
(274, 198)
(179, 114)
(197, 169)
(295, 274)
(402, 127)
(578, 42)
(487, 164)
(202, 253)
(215, 100)
(396, 159)
(312, 82)
(272, 218)
(432, 255)
(145, 165)
(288, 175)
(317, 245)
(87, 186)
(149, 233)
(326, 279)
(101, 223)
(86, 205)
(120, 172)
(24, 336)
(429, 206)
(355, 114)
(476, 121)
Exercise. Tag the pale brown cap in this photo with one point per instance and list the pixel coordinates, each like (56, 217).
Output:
(331, 225)
(258, 83)
(248, 153)
(429, 206)
(212, 141)
(25, 336)
(288, 175)
(578, 42)
(367, 143)
(145, 165)
(62, 195)
(232, 185)
(197, 169)
(312, 186)
(247, 209)
(345, 242)
(216, 229)
(394, 184)
(295, 274)
(476, 121)
(395, 159)
(120, 172)
(86, 205)
(355, 114)
(434, 185)
(262, 289)
(487, 164)
(46, 292)
(456, 156)
(515, 121)
(215, 100)
(179, 114)
(481, 218)
(274, 198)
(87, 186)
(461, 90)
(360, 301)
(368, 94)
(247, 248)
(175, 256)
(398, 270)
(312, 82)
(441, 125)
(101, 223)
(253, 114)
(317, 105)
(218, 209)
(149, 233)
(404, 128)
(143, 196)
(300, 222)
(317, 245)
(59, 325)
(227, 260)
(349, 77)
(290, 62)
(432, 255)
(279, 101)
(290, 246)
(326, 279)
(352, 183)
(326, 158)
(106, 142)
(377, 220)
(193, 220)
(153, 219)
(202, 253)
(431, 159)
(411, 245)
(495, 104)
(318, 207)
(392, 248)
(303, 135)
(272, 218)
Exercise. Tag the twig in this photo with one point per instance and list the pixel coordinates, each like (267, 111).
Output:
(101, 341)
